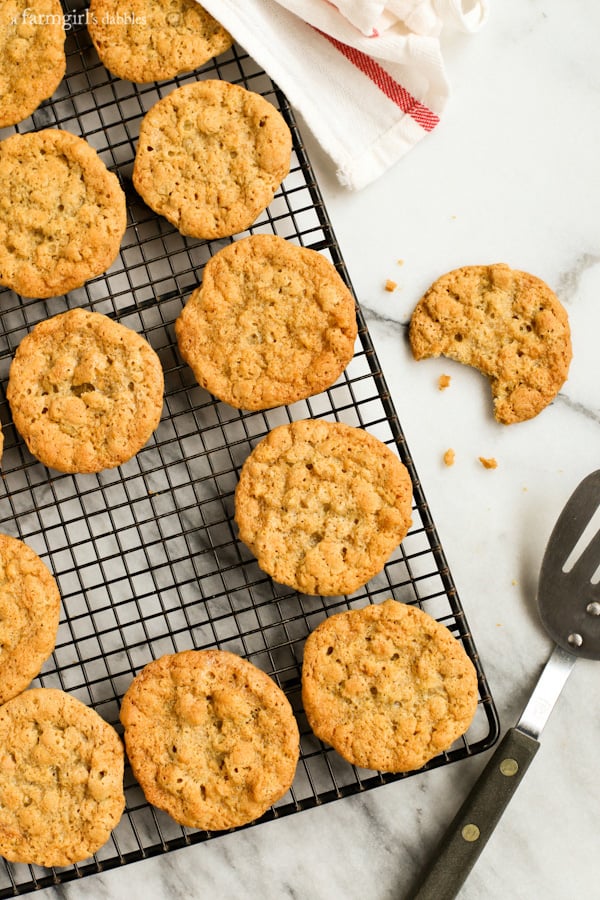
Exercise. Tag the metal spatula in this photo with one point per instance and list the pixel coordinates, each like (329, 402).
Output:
(569, 606)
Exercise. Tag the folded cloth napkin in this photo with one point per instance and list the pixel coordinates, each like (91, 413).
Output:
(366, 76)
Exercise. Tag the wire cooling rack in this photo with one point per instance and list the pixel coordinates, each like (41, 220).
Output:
(146, 556)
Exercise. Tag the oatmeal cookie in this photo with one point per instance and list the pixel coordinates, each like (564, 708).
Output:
(61, 779)
(153, 40)
(271, 324)
(508, 324)
(29, 613)
(322, 505)
(62, 213)
(32, 56)
(85, 392)
(211, 739)
(387, 686)
(210, 158)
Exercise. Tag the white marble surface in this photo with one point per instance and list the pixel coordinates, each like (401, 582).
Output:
(510, 175)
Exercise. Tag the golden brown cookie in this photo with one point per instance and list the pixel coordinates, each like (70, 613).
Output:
(210, 157)
(32, 56)
(322, 505)
(61, 779)
(210, 738)
(85, 392)
(152, 40)
(272, 323)
(507, 324)
(62, 213)
(29, 613)
(387, 686)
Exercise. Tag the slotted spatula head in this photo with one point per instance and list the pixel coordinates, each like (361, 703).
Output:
(568, 599)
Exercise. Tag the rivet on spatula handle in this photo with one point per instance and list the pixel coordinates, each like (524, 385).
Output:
(477, 818)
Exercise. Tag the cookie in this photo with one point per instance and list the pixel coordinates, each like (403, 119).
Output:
(272, 323)
(61, 779)
(85, 392)
(322, 505)
(211, 739)
(32, 56)
(29, 613)
(210, 157)
(508, 324)
(387, 686)
(62, 213)
(152, 40)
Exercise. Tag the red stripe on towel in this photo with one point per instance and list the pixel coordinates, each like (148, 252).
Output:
(422, 115)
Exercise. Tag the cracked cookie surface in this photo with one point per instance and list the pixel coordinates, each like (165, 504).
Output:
(32, 56)
(272, 323)
(152, 40)
(211, 738)
(210, 158)
(322, 505)
(29, 614)
(61, 779)
(387, 686)
(508, 324)
(85, 392)
(62, 213)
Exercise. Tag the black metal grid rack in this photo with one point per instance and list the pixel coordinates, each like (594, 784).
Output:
(146, 556)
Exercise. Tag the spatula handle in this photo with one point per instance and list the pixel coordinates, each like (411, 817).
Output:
(475, 821)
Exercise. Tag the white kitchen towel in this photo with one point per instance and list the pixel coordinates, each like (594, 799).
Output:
(367, 77)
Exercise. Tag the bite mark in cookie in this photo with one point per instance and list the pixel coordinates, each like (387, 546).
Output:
(508, 324)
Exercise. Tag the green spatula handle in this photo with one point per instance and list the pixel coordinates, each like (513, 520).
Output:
(477, 818)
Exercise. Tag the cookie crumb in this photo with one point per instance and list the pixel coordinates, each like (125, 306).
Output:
(390, 285)
(400, 262)
(488, 463)
(443, 382)
(449, 457)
